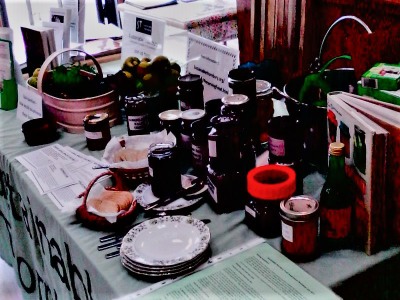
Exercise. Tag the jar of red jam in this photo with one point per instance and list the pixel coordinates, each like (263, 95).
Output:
(267, 186)
(299, 217)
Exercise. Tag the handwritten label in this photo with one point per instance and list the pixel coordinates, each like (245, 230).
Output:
(142, 37)
(29, 104)
(212, 61)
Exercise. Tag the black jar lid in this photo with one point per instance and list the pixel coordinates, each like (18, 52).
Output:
(241, 75)
(190, 80)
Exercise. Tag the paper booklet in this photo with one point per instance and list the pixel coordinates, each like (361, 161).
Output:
(371, 132)
(148, 4)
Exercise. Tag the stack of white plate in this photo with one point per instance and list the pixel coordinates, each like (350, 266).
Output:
(166, 246)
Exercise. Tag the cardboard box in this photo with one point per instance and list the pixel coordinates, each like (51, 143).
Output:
(382, 77)
(382, 95)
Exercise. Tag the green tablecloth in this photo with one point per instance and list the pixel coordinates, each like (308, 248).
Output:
(56, 258)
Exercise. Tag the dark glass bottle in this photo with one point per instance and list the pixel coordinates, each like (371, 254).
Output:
(336, 203)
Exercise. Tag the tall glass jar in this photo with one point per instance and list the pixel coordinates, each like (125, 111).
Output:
(164, 169)
(190, 87)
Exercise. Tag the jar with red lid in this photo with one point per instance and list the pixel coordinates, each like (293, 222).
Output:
(300, 219)
(267, 186)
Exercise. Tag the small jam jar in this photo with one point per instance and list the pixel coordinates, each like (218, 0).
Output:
(191, 91)
(267, 186)
(97, 131)
(137, 115)
(164, 169)
(299, 217)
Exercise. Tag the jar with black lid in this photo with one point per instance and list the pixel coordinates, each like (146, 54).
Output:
(164, 169)
(97, 131)
(137, 115)
(237, 106)
(154, 107)
(190, 87)
(212, 108)
(267, 186)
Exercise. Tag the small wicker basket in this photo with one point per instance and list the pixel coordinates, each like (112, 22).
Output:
(97, 222)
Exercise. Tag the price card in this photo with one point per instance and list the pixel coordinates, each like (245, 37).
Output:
(142, 36)
(212, 61)
(29, 104)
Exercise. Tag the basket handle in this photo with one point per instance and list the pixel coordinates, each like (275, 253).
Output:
(52, 56)
(119, 186)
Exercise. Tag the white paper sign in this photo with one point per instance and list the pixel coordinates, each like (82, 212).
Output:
(212, 61)
(142, 36)
(29, 104)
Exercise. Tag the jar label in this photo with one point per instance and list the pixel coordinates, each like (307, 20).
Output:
(197, 154)
(137, 122)
(93, 135)
(212, 148)
(287, 232)
(276, 146)
(335, 223)
(250, 211)
(212, 189)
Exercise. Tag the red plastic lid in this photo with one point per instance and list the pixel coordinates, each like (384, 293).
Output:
(271, 182)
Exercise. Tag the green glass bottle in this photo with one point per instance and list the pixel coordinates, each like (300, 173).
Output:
(336, 203)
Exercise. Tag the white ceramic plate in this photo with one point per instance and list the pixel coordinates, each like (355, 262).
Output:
(144, 196)
(165, 241)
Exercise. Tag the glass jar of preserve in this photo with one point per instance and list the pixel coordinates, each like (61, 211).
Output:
(243, 81)
(164, 169)
(265, 110)
(190, 87)
(97, 131)
(284, 141)
(300, 216)
(267, 186)
(154, 107)
(237, 106)
(224, 148)
(212, 108)
(137, 116)
(227, 189)
(188, 117)
(199, 141)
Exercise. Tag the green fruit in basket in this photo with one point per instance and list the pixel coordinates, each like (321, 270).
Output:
(33, 81)
(36, 72)
(161, 65)
(130, 64)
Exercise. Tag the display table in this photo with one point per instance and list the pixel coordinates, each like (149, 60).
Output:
(56, 258)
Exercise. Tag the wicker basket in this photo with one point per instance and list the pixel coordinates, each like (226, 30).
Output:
(97, 222)
(69, 113)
